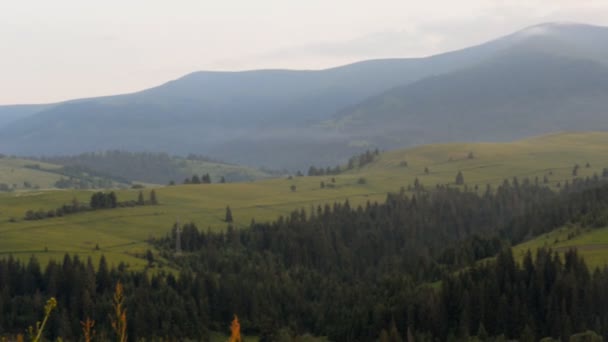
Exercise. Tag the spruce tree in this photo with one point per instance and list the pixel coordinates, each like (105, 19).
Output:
(153, 199)
(459, 178)
(140, 198)
(228, 214)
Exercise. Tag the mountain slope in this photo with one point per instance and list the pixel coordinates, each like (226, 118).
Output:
(529, 88)
(9, 114)
(510, 97)
(272, 117)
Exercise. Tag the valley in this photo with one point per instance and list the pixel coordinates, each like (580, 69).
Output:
(122, 233)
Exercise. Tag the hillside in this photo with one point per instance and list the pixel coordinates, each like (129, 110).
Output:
(122, 233)
(157, 168)
(531, 87)
(16, 173)
(591, 244)
(113, 170)
(504, 89)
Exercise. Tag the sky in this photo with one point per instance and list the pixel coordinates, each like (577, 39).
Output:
(64, 49)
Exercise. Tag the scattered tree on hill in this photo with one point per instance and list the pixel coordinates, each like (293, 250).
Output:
(222, 180)
(153, 199)
(575, 170)
(322, 185)
(195, 179)
(140, 198)
(228, 215)
(206, 179)
(471, 155)
(293, 188)
(459, 178)
(403, 163)
(587, 165)
(426, 170)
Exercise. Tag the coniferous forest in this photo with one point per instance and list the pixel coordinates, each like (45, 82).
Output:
(434, 265)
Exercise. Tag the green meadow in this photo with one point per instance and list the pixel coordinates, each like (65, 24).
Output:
(592, 244)
(14, 172)
(121, 234)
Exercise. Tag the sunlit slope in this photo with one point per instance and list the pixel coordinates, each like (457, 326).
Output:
(553, 156)
(121, 233)
(592, 244)
(14, 172)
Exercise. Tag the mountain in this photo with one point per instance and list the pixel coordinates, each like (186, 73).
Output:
(209, 111)
(285, 118)
(13, 113)
(545, 79)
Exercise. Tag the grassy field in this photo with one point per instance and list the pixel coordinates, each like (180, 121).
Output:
(591, 244)
(121, 234)
(13, 172)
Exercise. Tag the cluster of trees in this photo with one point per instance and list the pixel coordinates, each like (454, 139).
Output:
(99, 200)
(313, 171)
(355, 161)
(363, 159)
(203, 179)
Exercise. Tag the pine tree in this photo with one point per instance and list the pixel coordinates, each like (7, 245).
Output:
(575, 170)
(228, 214)
(459, 178)
(153, 199)
(140, 198)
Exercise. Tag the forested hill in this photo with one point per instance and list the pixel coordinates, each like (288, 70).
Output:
(349, 273)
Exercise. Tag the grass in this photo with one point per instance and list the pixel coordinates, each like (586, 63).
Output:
(14, 171)
(122, 233)
(591, 244)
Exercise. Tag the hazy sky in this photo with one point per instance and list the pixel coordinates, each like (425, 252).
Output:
(63, 49)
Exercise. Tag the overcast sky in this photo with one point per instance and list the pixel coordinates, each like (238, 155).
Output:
(63, 49)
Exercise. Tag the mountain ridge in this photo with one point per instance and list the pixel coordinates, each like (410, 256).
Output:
(248, 116)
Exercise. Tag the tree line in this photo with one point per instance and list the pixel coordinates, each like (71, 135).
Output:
(99, 200)
(351, 273)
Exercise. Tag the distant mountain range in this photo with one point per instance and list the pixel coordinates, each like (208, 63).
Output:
(549, 77)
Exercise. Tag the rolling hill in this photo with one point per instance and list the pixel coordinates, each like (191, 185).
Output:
(591, 244)
(122, 233)
(541, 79)
(113, 170)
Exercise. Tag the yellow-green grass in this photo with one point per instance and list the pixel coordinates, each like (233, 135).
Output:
(552, 155)
(591, 244)
(121, 233)
(14, 171)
